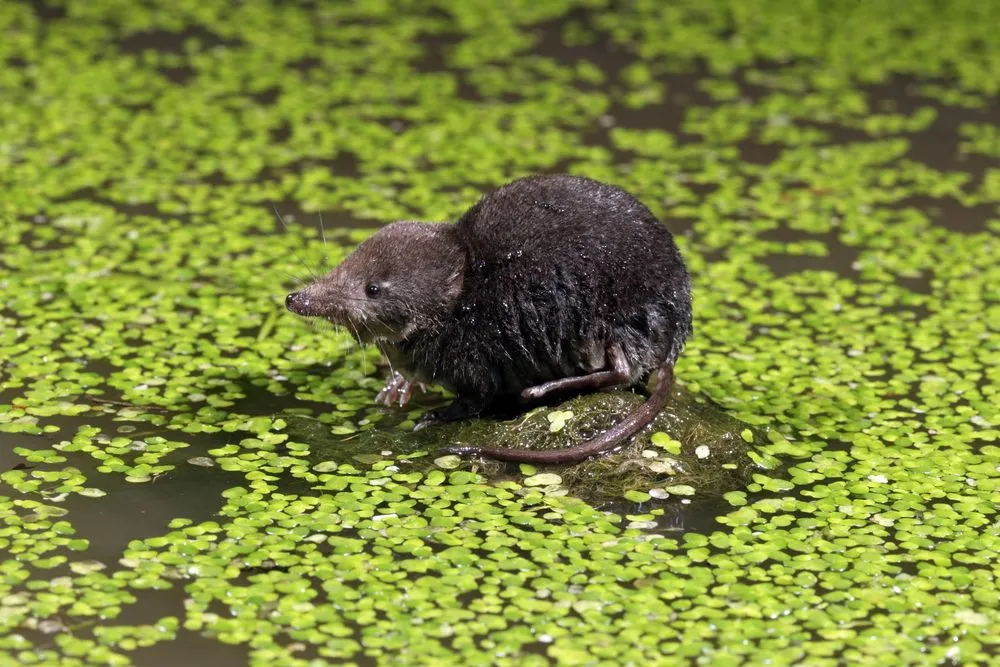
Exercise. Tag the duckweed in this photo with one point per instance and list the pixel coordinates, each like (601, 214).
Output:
(181, 461)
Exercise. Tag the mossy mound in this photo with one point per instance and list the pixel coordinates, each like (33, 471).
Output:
(692, 443)
(703, 447)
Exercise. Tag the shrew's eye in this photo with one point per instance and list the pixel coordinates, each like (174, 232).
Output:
(372, 290)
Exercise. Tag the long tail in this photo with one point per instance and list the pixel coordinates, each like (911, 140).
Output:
(611, 439)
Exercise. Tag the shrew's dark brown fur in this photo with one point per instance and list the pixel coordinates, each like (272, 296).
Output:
(550, 283)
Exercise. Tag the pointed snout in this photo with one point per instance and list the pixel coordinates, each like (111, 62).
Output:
(298, 303)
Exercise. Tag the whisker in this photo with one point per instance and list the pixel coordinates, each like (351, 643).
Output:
(298, 280)
(374, 338)
(299, 257)
(392, 371)
(323, 263)
(357, 339)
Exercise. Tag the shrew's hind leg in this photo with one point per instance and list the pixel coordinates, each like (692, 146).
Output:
(619, 373)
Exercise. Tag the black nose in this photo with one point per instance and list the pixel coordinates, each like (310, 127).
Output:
(295, 302)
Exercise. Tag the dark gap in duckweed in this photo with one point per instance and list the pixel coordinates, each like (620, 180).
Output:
(215, 178)
(111, 425)
(181, 75)
(839, 258)
(310, 652)
(677, 516)
(682, 93)
(279, 135)
(755, 152)
(167, 41)
(942, 151)
(572, 38)
(397, 125)
(128, 209)
(701, 190)
(44, 636)
(952, 214)
(765, 77)
(194, 648)
(343, 164)
(154, 604)
(266, 97)
(261, 401)
(906, 93)
(142, 510)
(436, 50)
(289, 215)
(611, 59)
(306, 65)
(834, 134)
(47, 11)
(34, 239)
(939, 144)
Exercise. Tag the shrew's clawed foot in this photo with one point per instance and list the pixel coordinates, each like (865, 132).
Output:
(460, 408)
(429, 419)
(397, 390)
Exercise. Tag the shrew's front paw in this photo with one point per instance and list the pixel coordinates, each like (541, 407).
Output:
(397, 391)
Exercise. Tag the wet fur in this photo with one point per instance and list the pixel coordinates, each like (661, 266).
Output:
(534, 283)
(557, 269)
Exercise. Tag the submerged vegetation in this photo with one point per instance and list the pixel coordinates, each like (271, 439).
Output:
(187, 471)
